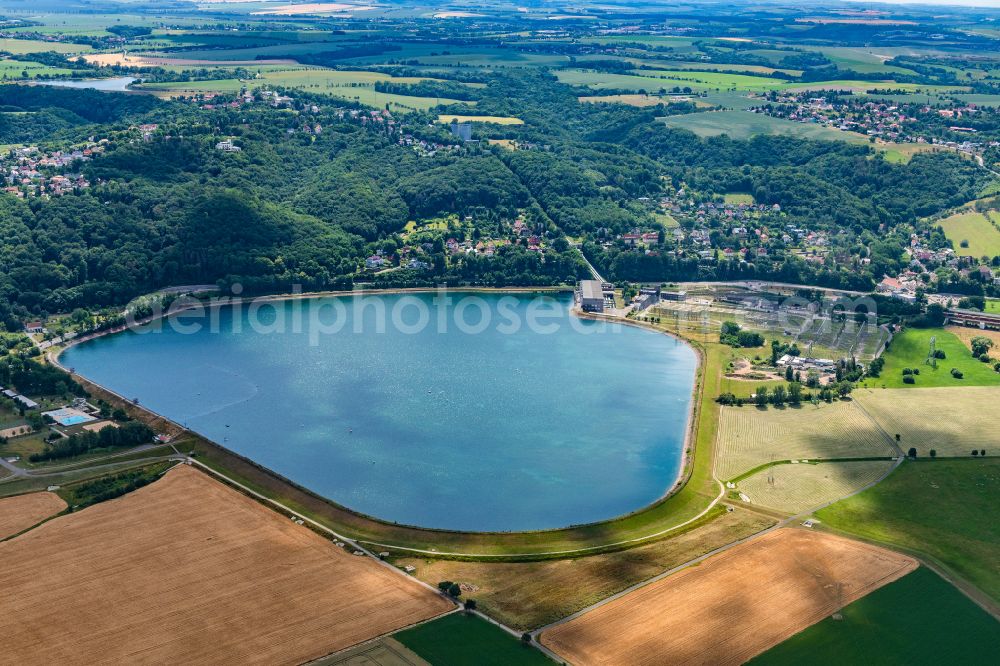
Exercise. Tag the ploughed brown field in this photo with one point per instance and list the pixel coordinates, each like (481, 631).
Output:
(187, 570)
(21, 512)
(732, 606)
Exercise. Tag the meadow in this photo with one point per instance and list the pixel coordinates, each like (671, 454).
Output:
(973, 234)
(750, 436)
(22, 46)
(26, 69)
(741, 124)
(901, 153)
(631, 100)
(467, 640)
(942, 509)
(657, 80)
(350, 85)
(951, 420)
(910, 348)
(803, 486)
(494, 120)
(919, 619)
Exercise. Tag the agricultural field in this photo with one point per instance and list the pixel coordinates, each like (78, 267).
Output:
(803, 486)
(197, 555)
(26, 69)
(21, 46)
(750, 437)
(918, 619)
(467, 640)
(662, 80)
(860, 59)
(910, 348)
(901, 153)
(351, 85)
(528, 595)
(733, 605)
(966, 334)
(22, 511)
(176, 64)
(973, 234)
(740, 124)
(381, 652)
(951, 421)
(630, 100)
(493, 120)
(943, 509)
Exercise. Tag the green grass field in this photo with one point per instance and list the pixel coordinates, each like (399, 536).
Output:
(918, 619)
(351, 85)
(944, 509)
(21, 46)
(21, 69)
(993, 305)
(909, 350)
(655, 80)
(901, 153)
(494, 120)
(975, 230)
(859, 59)
(740, 124)
(462, 640)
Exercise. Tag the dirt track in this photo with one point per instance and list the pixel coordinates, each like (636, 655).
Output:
(731, 607)
(189, 571)
(21, 512)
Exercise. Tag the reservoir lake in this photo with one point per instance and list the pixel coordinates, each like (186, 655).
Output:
(484, 426)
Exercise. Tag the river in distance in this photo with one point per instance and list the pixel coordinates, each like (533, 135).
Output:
(453, 424)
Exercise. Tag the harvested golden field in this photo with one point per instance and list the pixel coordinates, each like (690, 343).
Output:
(952, 421)
(750, 437)
(732, 606)
(139, 60)
(528, 595)
(797, 488)
(21, 512)
(965, 334)
(187, 570)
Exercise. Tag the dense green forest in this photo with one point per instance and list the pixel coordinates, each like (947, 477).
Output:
(298, 207)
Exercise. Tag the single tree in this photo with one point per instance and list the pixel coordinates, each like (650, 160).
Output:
(912, 453)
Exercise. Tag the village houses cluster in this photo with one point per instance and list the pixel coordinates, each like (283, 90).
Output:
(30, 171)
(416, 256)
(923, 268)
(882, 119)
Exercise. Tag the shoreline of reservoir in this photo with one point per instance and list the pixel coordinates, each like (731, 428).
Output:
(686, 453)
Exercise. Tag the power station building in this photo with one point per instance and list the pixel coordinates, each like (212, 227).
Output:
(590, 295)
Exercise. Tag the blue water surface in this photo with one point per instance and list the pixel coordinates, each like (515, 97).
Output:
(491, 430)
